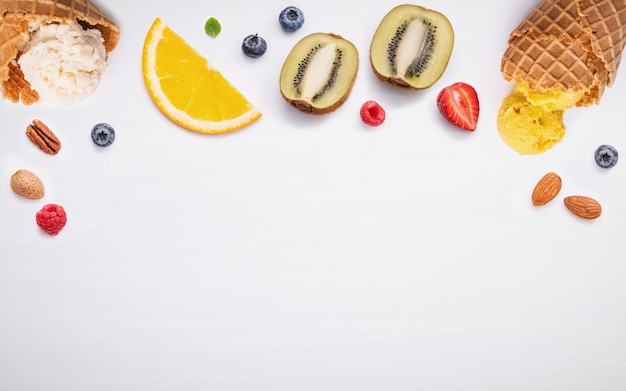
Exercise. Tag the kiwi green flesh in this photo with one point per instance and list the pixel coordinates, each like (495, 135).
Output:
(318, 74)
(412, 46)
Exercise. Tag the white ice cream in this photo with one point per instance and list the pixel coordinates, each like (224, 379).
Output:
(63, 62)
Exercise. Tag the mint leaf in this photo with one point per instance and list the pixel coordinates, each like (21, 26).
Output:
(212, 27)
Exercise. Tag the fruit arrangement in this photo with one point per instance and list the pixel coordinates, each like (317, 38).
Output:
(188, 89)
(51, 218)
(410, 49)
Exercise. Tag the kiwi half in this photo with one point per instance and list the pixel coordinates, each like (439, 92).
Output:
(411, 47)
(319, 72)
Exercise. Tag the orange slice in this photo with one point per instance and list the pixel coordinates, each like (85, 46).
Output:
(188, 89)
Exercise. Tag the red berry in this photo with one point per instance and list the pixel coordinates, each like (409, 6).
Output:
(372, 113)
(51, 219)
(458, 103)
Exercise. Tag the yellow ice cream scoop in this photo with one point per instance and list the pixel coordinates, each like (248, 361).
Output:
(527, 128)
(531, 122)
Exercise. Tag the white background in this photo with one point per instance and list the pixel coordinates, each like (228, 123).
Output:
(305, 253)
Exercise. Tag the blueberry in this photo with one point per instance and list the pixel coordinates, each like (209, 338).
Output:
(254, 46)
(291, 18)
(606, 156)
(103, 135)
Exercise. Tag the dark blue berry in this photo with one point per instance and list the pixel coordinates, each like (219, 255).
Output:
(606, 156)
(103, 135)
(291, 18)
(254, 46)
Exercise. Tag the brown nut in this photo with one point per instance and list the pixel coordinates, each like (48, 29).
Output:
(546, 189)
(28, 185)
(43, 137)
(583, 206)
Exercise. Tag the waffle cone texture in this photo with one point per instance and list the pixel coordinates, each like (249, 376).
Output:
(568, 45)
(14, 18)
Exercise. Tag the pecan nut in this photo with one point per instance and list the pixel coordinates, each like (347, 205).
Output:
(43, 137)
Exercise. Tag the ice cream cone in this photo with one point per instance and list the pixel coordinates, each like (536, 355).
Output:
(11, 33)
(14, 18)
(568, 45)
(565, 53)
(607, 22)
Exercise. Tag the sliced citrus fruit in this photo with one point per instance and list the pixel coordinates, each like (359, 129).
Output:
(188, 89)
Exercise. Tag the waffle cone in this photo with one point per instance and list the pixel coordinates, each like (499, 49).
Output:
(568, 45)
(14, 18)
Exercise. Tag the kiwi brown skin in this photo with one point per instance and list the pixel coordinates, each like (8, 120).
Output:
(398, 81)
(305, 106)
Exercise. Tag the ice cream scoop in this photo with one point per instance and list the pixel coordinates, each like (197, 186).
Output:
(63, 62)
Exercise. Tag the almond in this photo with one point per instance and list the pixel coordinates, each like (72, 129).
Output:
(546, 189)
(27, 185)
(583, 206)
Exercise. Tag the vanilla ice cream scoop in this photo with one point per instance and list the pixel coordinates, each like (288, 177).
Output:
(62, 61)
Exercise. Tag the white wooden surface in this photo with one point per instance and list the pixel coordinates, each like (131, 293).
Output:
(311, 253)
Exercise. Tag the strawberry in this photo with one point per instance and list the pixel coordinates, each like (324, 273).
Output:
(458, 103)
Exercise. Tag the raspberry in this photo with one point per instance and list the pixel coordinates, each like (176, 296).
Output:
(51, 219)
(372, 113)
